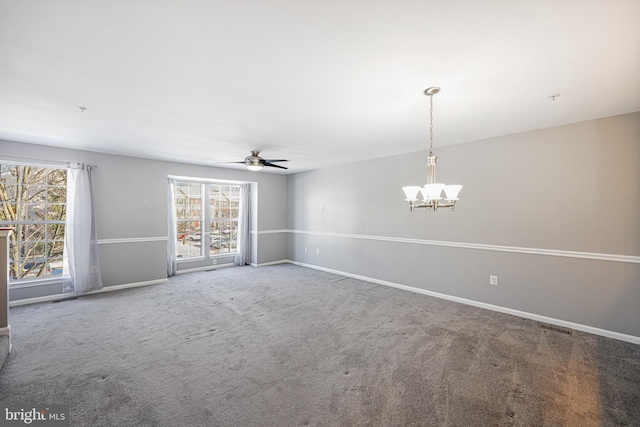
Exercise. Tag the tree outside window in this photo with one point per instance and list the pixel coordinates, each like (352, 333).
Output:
(33, 204)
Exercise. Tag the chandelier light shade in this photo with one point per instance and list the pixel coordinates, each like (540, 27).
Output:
(432, 191)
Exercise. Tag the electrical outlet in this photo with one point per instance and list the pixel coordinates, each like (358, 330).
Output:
(305, 249)
(215, 261)
(493, 280)
(317, 251)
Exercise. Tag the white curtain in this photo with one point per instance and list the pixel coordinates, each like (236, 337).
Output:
(243, 247)
(172, 259)
(81, 269)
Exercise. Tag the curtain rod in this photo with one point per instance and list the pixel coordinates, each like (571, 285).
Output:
(80, 165)
(208, 180)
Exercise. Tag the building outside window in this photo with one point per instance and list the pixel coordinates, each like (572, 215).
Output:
(208, 232)
(189, 219)
(33, 204)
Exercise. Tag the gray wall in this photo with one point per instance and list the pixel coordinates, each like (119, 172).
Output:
(571, 190)
(131, 203)
(567, 189)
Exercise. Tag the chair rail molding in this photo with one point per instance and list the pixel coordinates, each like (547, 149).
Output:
(480, 246)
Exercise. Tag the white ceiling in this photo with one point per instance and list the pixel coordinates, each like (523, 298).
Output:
(319, 82)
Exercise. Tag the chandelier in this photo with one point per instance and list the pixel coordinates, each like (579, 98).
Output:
(432, 191)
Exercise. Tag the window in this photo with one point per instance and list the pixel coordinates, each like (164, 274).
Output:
(189, 219)
(33, 203)
(206, 232)
(224, 203)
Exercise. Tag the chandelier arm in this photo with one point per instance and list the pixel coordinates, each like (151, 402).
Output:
(432, 205)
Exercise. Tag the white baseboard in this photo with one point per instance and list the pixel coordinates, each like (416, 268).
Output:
(69, 295)
(207, 268)
(127, 286)
(264, 264)
(48, 298)
(576, 326)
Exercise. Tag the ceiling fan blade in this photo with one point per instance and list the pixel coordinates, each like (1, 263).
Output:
(225, 163)
(268, 163)
(272, 161)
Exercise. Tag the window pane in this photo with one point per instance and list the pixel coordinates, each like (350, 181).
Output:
(55, 266)
(34, 212)
(56, 195)
(32, 268)
(217, 214)
(181, 207)
(194, 250)
(214, 244)
(54, 249)
(55, 231)
(225, 228)
(188, 242)
(183, 229)
(56, 212)
(194, 230)
(58, 177)
(32, 250)
(195, 212)
(8, 212)
(11, 192)
(36, 195)
(31, 232)
(189, 219)
(182, 189)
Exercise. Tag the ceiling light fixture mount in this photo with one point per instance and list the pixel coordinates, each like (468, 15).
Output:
(432, 190)
(253, 162)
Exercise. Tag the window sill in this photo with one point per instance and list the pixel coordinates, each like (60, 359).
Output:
(202, 258)
(35, 282)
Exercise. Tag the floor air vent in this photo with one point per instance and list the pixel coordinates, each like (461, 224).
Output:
(557, 329)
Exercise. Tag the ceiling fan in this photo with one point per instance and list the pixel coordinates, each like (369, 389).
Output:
(254, 162)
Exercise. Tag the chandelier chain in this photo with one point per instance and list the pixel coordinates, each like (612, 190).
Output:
(431, 125)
